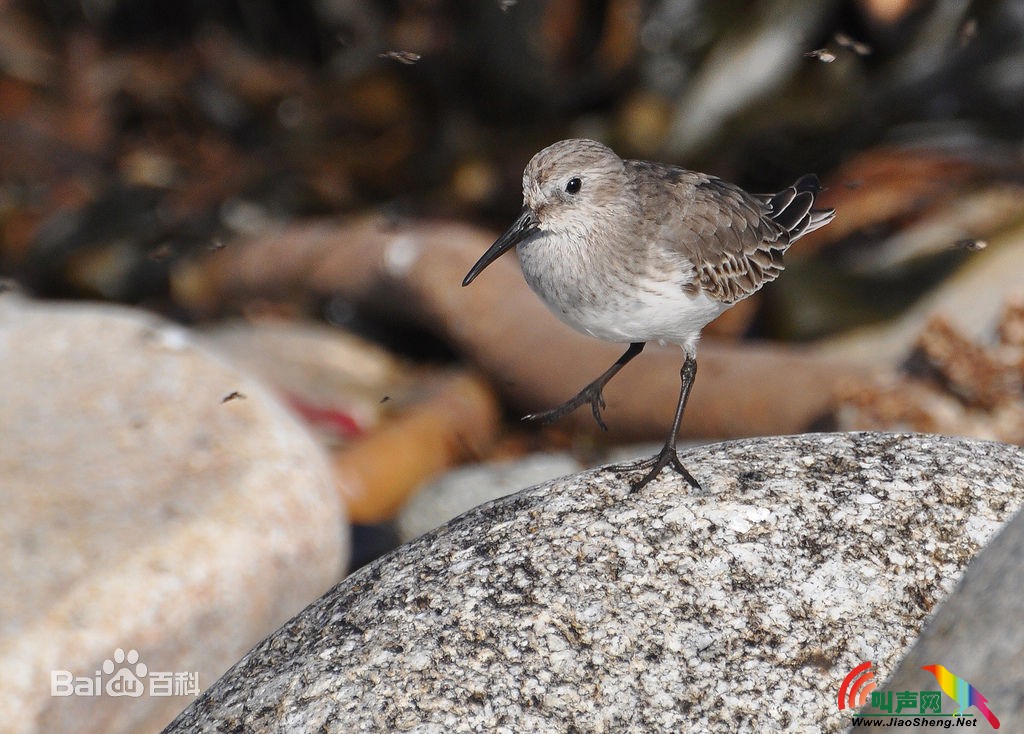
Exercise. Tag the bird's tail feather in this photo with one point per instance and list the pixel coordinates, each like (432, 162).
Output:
(793, 208)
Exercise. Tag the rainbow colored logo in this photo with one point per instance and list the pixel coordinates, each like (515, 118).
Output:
(856, 686)
(963, 693)
(859, 685)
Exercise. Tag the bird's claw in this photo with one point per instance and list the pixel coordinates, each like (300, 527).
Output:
(587, 395)
(667, 457)
(597, 404)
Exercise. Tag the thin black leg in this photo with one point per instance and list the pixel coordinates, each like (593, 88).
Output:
(668, 456)
(591, 393)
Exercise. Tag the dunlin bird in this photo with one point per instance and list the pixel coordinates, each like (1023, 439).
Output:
(635, 251)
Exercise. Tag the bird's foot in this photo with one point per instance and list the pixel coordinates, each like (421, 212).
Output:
(590, 394)
(666, 457)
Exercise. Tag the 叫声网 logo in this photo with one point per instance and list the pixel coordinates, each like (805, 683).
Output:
(920, 705)
(856, 686)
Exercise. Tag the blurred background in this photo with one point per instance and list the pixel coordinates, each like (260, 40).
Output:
(302, 185)
(173, 156)
(148, 152)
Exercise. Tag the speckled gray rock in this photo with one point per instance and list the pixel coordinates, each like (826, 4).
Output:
(578, 606)
(978, 633)
(465, 487)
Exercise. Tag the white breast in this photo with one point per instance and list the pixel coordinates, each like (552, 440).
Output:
(612, 303)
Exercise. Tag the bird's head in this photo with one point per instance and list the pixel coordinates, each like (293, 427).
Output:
(569, 189)
(571, 185)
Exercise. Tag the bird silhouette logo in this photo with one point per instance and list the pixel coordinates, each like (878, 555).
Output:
(962, 692)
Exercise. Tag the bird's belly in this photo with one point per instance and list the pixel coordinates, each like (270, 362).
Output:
(656, 312)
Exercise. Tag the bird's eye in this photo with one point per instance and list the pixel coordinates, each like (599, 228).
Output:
(573, 185)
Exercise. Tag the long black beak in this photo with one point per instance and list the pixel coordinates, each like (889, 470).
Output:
(522, 228)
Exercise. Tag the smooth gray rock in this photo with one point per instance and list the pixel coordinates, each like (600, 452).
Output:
(142, 514)
(468, 486)
(579, 606)
(978, 634)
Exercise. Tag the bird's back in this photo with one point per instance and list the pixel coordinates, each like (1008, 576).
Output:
(733, 239)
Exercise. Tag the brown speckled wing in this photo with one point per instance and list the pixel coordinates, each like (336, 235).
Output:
(734, 240)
